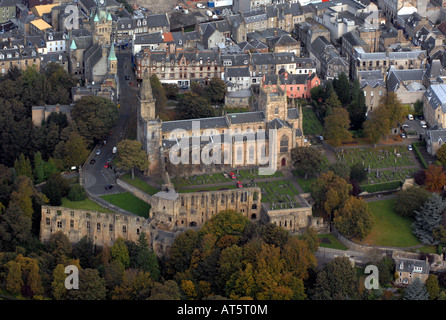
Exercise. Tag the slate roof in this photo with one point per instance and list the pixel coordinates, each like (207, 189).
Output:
(436, 95)
(395, 77)
(237, 72)
(412, 266)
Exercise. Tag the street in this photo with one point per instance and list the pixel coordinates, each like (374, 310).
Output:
(96, 177)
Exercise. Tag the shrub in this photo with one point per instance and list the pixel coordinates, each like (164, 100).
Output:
(391, 185)
(77, 193)
(419, 155)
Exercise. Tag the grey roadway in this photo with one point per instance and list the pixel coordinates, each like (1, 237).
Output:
(96, 177)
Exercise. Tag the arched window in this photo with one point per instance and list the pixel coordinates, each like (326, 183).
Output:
(284, 144)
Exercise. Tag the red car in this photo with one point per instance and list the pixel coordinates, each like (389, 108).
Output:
(107, 164)
(239, 184)
(232, 175)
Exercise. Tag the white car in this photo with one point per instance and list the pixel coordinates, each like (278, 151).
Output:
(200, 6)
(409, 147)
(98, 152)
(423, 124)
(410, 117)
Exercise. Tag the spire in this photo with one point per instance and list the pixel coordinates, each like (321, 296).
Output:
(109, 17)
(112, 56)
(96, 18)
(146, 88)
(73, 45)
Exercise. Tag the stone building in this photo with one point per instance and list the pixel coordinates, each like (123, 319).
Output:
(236, 136)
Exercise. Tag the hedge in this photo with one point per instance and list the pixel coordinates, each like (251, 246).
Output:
(419, 155)
(385, 186)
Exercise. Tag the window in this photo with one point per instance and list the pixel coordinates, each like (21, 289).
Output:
(124, 229)
(110, 228)
(98, 226)
(71, 224)
(48, 221)
(284, 144)
(59, 224)
(88, 224)
(276, 111)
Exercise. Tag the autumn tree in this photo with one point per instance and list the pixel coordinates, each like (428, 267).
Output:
(330, 192)
(131, 156)
(73, 151)
(337, 125)
(136, 285)
(354, 218)
(13, 281)
(120, 252)
(435, 178)
(91, 286)
(306, 160)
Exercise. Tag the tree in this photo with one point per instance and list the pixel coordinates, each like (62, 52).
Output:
(38, 170)
(342, 86)
(357, 108)
(84, 251)
(435, 178)
(428, 218)
(416, 291)
(225, 223)
(410, 200)
(193, 106)
(73, 151)
(340, 168)
(274, 235)
(358, 172)
(59, 246)
(136, 285)
(168, 290)
(58, 290)
(418, 108)
(306, 160)
(77, 193)
(91, 286)
(146, 259)
(159, 93)
(386, 269)
(171, 90)
(94, 116)
(216, 90)
(432, 286)
(336, 280)
(131, 156)
(298, 257)
(354, 218)
(22, 167)
(181, 251)
(441, 154)
(13, 281)
(120, 252)
(330, 192)
(310, 236)
(337, 125)
(331, 103)
(15, 228)
(52, 191)
(32, 278)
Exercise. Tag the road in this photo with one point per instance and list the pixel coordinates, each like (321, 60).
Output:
(96, 177)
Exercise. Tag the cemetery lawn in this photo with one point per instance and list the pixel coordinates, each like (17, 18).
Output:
(390, 229)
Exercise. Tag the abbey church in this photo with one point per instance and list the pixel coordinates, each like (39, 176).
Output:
(248, 133)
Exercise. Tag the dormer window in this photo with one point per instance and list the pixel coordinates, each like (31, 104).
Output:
(144, 22)
(2, 56)
(33, 53)
(138, 23)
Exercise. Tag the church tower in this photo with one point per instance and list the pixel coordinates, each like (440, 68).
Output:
(148, 125)
(273, 102)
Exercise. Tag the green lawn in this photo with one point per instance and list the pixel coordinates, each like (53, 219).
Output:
(129, 202)
(311, 124)
(86, 204)
(140, 184)
(330, 241)
(390, 229)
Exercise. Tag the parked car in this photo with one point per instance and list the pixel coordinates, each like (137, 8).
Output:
(321, 138)
(239, 184)
(232, 175)
(98, 152)
(409, 147)
(107, 164)
(92, 161)
(406, 125)
(108, 187)
(423, 124)
(225, 175)
(403, 135)
(410, 117)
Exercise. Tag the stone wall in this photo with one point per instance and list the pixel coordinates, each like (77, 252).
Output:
(102, 228)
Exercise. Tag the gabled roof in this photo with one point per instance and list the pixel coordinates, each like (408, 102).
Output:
(436, 96)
